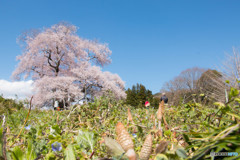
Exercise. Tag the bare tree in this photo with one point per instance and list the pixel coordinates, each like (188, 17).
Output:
(184, 85)
(212, 85)
(190, 78)
(231, 68)
(209, 82)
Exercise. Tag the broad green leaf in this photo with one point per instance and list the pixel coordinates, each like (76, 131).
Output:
(9, 155)
(161, 157)
(86, 139)
(114, 148)
(31, 154)
(57, 129)
(181, 153)
(50, 156)
(234, 92)
(17, 153)
(69, 153)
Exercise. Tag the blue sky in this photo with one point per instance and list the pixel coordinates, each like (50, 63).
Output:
(152, 41)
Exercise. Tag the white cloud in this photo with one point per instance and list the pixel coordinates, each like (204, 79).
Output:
(22, 89)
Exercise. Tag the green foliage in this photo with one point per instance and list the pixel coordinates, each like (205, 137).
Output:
(221, 135)
(51, 156)
(181, 153)
(86, 140)
(161, 157)
(233, 93)
(114, 148)
(9, 105)
(17, 154)
(201, 129)
(69, 153)
(1, 142)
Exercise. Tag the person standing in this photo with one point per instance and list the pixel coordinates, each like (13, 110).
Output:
(164, 98)
(147, 104)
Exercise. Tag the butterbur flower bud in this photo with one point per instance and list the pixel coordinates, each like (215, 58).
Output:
(129, 115)
(146, 148)
(123, 137)
(160, 110)
(56, 146)
(131, 154)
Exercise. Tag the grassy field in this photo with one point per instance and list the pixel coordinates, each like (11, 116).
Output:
(193, 131)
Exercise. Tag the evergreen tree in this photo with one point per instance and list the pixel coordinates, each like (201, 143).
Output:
(149, 95)
(131, 96)
(141, 95)
(155, 102)
(138, 95)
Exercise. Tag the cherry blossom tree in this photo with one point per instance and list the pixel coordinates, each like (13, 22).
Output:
(64, 66)
(57, 88)
(92, 80)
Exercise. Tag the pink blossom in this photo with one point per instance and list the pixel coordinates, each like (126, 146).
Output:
(64, 65)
